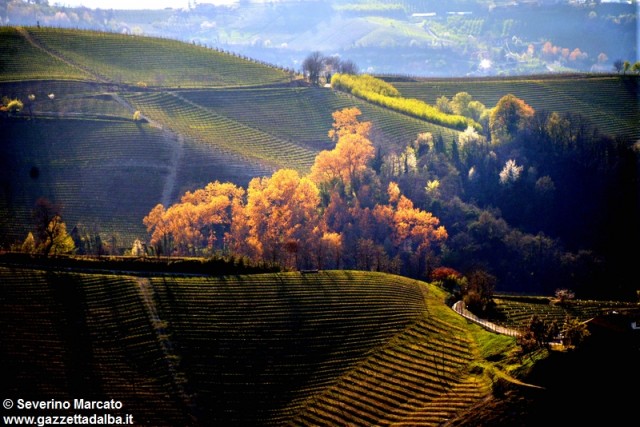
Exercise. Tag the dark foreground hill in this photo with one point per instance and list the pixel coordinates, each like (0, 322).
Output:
(307, 349)
(326, 348)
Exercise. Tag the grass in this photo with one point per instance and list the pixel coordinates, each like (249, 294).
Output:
(303, 115)
(325, 348)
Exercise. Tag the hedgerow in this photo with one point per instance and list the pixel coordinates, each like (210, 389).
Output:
(384, 94)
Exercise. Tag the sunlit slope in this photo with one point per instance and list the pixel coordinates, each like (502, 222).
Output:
(611, 103)
(327, 348)
(21, 60)
(222, 133)
(303, 115)
(118, 58)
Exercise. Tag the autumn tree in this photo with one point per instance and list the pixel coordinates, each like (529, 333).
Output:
(280, 217)
(449, 278)
(413, 231)
(195, 222)
(51, 230)
(329, 250)
(510, 116)
(349, 159)
(477, 293)
(11, 106)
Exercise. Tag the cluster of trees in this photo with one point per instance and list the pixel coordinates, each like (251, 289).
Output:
(563, 54)
(528, 201)
(51, 236)
(463, 104)
(317, 67)
(340, 215)
(384, 94)
(541, 333)
(625, 67)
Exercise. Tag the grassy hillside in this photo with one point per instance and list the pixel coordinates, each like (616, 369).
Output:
(77, 144)
(612, 103)
(270, 349)
(325, 348)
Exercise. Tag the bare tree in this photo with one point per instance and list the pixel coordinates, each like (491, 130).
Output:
(312, 67)
(348, 67)
(618, 64)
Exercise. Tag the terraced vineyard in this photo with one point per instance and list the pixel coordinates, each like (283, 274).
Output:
(303, 115)
(612, 103)
(220, 132)
(69, 336)
(154, 61)
(515, 312)
(23, 61)
(327, 348)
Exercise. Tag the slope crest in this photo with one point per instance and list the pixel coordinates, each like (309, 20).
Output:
(148, 61)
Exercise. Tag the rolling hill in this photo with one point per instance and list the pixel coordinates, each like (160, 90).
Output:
(610, 102)
(326, 348)
(77, 141)
(312, 348)
(322, 348)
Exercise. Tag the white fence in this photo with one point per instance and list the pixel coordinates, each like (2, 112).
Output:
(460, 308)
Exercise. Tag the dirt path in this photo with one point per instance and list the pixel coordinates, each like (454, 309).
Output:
(160, 328)
(170, 181)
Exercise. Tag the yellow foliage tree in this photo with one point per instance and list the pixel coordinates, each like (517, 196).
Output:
(352, 153)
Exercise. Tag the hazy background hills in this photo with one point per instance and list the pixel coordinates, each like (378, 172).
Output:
(425, 38)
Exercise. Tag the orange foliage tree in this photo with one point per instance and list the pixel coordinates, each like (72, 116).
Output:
(510, 116)
(353, 150)
(194, 222)
(279, 221)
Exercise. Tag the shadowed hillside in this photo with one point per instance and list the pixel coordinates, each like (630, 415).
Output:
(270, 349)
